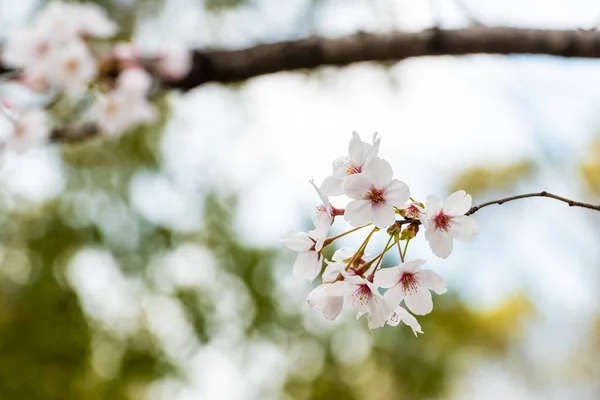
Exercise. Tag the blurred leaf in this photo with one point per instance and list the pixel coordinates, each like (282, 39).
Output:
(482, 179)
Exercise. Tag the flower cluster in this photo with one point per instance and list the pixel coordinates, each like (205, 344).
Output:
(67, 55)
(384, 203)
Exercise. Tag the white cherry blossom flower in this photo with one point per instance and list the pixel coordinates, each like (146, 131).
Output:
(359, 155)
(400, 314)
(365, 298)
(309, 260)
(117, 112)
(445, 221)
(409, 283)
(30, 128)
(375, 195)
(27, 48)
(72, 68)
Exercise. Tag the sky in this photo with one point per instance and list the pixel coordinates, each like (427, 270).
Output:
(437, 116)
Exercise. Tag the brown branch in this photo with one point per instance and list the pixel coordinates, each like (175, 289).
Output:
(474, 209)
(571, 203)
(238, 65)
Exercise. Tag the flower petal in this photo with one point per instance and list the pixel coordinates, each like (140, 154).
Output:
(379, 172)
(382, 215)
(397, 193)
(322, 196)
(358, 212)
(332, 185)
(400, 314)
(356, 186)
(339, 288)
(332, 271)
(297, 241)
(440, 242)
(458, 203)
(433, 205)
(387, 277)
(432, 281)
(358, 150)
(308, 265)
(317, 297)
(333, 307)
(343, 254)
(394, 295)
(419, 301)
(412, 266)
(464, 228)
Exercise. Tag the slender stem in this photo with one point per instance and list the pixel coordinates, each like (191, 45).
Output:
(405, 248)
(328, 241)
(386, 248)
(380, 257)
(361, 250)
(400, 251)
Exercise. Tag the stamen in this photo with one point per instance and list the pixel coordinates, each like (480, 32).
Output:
(349, 167)
(375, 195)
(362, 294)
(408, 282)
(442, 221)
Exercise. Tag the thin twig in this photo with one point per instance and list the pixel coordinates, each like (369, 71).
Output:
(571, 203)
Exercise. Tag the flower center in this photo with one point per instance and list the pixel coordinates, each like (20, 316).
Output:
(375, 195)
(350, 167)
(408, 282)
(412, 211)
(362, 294)
(72, 66)
(442, 221)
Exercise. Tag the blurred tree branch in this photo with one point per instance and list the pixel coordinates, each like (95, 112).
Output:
(238, 65)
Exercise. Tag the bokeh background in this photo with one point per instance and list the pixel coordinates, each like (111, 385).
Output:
(149, 267)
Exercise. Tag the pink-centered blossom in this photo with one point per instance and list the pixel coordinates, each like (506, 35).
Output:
(400, 314)
(409, 283)
(365, 298)
(359, 155)
(375, 195)
(29, 127)
(445, 221)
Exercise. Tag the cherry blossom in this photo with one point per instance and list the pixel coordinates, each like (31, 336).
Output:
(309, 261)
(72, 68)
(29, 127)
(359, 155)
(321, 300)
(409, 283)
(400, 314)
(445, 221)
(375, 195)
(365, 298)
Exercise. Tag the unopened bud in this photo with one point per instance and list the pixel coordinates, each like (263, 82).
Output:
(410, 232)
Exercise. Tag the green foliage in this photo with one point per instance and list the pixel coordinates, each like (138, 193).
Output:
(483, 179)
